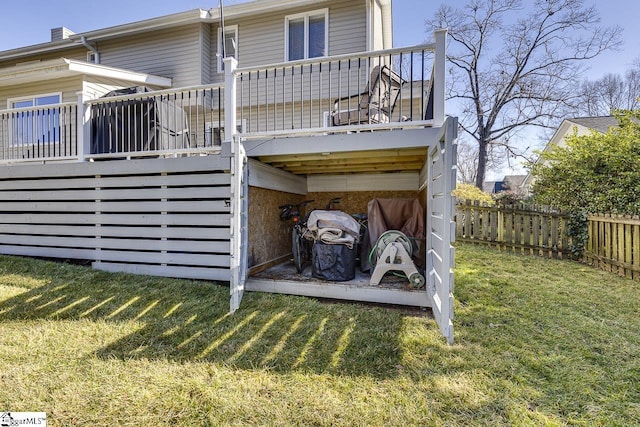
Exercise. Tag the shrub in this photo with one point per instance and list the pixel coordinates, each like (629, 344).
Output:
(471, 192)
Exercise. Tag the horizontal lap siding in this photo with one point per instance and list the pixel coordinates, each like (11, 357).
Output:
(173, 53)
(68, 87)
(261, 38)
(166, 217)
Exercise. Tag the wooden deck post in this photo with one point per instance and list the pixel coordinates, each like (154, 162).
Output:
(230, 65)
(439, 68)
(83, 131)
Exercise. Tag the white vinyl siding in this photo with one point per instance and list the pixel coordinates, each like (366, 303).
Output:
(66, 87)
(263, 36)
(207, 53)
(173, 53)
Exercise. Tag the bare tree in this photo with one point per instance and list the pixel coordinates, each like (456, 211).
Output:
(611, 92)
(467, 164)
(513, 67)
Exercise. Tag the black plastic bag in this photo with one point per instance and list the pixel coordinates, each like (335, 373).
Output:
(333, 262)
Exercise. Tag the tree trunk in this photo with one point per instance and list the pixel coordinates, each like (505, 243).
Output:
(482, 162)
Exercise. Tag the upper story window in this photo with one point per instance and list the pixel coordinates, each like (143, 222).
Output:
(306, 35)
(230, 41)
(35, 125)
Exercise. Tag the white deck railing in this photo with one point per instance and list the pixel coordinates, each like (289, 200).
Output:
(188, 120)
(344, 93)
(38, 133)
(389, 89)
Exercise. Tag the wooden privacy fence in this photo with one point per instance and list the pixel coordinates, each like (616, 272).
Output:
(614, 244)
(529, 229)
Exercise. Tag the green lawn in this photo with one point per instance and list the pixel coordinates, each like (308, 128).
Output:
(538, 342)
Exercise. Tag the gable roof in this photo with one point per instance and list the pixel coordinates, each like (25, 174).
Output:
(601, 124)
(168, 21)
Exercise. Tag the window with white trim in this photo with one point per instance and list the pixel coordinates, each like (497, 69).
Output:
(306, 35)
(230, 44)
(33, 125)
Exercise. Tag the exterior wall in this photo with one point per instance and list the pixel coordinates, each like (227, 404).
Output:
(261, 38)
(208, 50)
(173, 53)
(356, 201)
(95, 87)
(269, 237)
(68, 87)
(187, 54)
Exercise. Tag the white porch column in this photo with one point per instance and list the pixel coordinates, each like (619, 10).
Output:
(439, 69)
(230, 65)
(83, 132)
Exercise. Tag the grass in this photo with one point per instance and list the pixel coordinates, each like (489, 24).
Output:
(538, 342)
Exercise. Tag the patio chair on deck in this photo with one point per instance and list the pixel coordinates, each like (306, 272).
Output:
(376, 102)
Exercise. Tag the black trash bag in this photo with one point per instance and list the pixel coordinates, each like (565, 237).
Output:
(333, 262)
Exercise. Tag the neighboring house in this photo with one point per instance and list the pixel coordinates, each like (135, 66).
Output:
(569, 127)
(508, 183)
(140, 148)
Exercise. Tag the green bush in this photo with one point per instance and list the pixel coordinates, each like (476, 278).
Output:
(595, 173)
(471, 192)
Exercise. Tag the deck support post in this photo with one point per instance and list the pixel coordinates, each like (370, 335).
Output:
(83, 131)
(439, 69)
(230, 65)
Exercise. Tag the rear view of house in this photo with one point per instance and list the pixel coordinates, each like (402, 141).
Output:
(165, 146)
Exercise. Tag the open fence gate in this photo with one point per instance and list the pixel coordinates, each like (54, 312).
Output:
(239, 223)
(441, 227)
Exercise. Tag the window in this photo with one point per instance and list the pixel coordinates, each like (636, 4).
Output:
(230, 44)
(306, 35)
(93, 57)
(35, 125)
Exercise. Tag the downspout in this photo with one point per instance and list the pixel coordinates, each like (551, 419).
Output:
(92, 48)
(387, 23)
(368, 26)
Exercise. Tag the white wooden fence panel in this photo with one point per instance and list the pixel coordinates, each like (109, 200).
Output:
(120, 194)
(126, 206)
(117, 219)
(189, 246)
(184, 233)
(141, 181)
(168, 217)
(221, 274)
(163, 257)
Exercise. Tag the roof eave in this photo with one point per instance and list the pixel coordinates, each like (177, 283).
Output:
(62, 67)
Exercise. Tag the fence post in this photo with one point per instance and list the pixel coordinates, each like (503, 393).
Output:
(83, 133)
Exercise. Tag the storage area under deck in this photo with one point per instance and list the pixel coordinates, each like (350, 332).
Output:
(279, 180)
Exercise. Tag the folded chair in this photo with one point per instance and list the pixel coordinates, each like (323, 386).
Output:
(375, 103)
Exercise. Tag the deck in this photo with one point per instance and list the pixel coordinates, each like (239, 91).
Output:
(158, 182)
